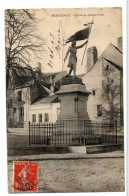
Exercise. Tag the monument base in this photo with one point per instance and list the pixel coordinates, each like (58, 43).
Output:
(73, 98)
(71, 131)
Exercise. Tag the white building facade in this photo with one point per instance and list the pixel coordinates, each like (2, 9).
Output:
(42, 113)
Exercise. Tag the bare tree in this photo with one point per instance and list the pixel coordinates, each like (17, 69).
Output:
(111, 96)
(22, 42)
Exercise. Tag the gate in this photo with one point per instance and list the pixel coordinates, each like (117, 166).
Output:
(72, 133)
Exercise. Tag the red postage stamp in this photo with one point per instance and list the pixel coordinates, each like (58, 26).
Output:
(25, 176)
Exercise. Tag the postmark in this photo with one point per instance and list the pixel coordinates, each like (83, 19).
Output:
(25, 176)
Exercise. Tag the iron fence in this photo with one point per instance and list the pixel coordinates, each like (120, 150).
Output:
(72, 133)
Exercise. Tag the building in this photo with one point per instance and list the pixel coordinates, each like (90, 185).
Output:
(25, 95)
(104, 79)
(33, 99)
(45, 110)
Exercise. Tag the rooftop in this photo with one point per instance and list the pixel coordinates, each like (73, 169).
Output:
(49, 99)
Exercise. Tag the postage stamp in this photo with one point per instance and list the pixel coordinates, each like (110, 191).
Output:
(25, 176)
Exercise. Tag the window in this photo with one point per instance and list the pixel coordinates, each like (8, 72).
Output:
(33, 117)
(21, 114)
(99, 110)
(107, 67)
(93, 92)
(19, 96)
(46, 117)
(40, 118)
(14, 110)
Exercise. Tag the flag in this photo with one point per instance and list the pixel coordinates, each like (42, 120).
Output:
(79, 35)
(89, 23)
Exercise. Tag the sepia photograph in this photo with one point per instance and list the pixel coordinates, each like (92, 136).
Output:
(64, 100)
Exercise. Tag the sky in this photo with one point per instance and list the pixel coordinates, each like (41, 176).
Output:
(56, 25)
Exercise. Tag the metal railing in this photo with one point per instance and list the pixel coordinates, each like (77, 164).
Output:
(72, 133)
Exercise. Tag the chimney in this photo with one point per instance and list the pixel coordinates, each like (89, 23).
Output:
(39, 66)
(52, 84)
(92, 56)
(119, 43)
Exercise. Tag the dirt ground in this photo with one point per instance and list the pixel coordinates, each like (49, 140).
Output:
(94, 173)
(87, 175)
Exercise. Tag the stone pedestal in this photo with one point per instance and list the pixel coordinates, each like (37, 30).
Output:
(73, 96)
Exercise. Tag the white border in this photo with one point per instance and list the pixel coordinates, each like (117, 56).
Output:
(5, 4)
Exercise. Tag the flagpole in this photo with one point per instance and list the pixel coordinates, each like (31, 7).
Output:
(84, 54)
(86, 44)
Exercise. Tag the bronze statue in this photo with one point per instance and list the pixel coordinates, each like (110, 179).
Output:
(73, 58)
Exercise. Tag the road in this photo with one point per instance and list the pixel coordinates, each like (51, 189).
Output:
(87, 175)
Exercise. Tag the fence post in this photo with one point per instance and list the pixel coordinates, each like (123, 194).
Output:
(39, 134)
(29, 133)
(116, 131)
(84, 132)
(47, 132)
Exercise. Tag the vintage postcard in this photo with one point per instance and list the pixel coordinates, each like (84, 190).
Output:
(64, 100)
